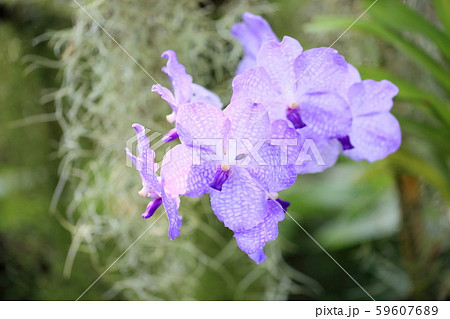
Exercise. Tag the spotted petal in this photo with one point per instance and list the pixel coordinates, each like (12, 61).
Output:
(252, 240)
(171, 203)
(199, 93)
(248, 120)
(144, 162)
(199, 122)
(317, 155)
(181, 81)
(326, 115)
(369, 97)
(270, 170)
(182, 172)
(252, 33)
(374, 137)
(278, 60)
(288, 139)
(256, 85)
(321, 70)
(241, 204)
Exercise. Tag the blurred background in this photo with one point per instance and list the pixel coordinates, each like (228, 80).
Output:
(68, 202)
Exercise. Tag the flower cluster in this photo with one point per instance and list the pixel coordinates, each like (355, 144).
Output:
(292, 112)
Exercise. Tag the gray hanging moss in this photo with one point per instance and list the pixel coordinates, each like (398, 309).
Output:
(103, 92)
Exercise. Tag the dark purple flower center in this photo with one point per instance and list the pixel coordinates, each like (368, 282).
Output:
(221, 176)
(170, 136)
(152, 207)
(283, 203)
(346, 144)
(293, 115)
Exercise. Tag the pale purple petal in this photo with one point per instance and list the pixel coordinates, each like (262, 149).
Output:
(252, 240)
(258, 256)
(317, 155)
(181, 81)
(241, 204)
(322, 70)
(352, 77)
(278, 60)
(370, 97)
(374, 137)
(288, 139)
(246, 63)
(249, 120)
(166, 95)
(171, 203)
(254, 84)
(326, 115)
(199, 93)
(183, 174)
(272, 172)
(199, 121)
(144, 163)
(252, 33)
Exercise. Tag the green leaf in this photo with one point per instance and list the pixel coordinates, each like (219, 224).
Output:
(439, 137)
(374, 223)
(418, 166)
(399, 17)
(442, 8)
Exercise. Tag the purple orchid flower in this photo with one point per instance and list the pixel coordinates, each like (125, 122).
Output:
(304, 88)
(292, 112)
(237, 178)
(151, 185)
(252, 33)
(184, 91)
(375, 132)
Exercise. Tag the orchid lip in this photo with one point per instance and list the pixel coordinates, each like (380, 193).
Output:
(293, 115)
(221, 177)
(152, 207)
(284, 204)
(170, 136)
(345, 142)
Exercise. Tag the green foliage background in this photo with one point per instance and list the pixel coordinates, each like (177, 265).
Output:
(68, 203)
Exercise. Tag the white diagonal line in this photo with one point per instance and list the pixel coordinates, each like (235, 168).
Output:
(320, 246)
(315, 61)
(131, 57)
(132, 244)
(316, 242)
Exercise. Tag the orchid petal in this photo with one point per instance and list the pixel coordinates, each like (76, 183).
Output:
(278, 60)
(183, 174)
(252, 240)
(200, 121)
(241, 204)
(369, 97)
(251, 33)
(374, 137)
(181, 81)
